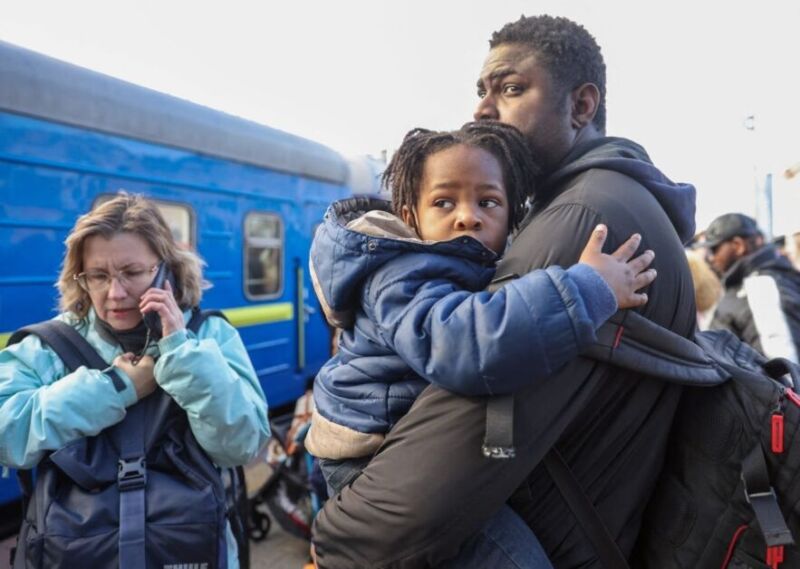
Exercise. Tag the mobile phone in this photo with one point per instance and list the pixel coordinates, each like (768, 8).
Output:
(151, 319)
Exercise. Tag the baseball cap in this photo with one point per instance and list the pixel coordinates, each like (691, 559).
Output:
(727, 227)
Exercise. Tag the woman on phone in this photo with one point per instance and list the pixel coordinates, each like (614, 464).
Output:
(206, 395)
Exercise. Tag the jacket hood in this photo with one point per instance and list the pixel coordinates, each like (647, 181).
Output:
(358, 236)
(766, 258)
(628, 158)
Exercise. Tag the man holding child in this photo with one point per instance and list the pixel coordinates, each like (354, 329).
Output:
(429, 488)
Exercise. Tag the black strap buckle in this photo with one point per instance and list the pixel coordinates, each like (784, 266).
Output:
(758, 495)
(131, 474)
(768, 514)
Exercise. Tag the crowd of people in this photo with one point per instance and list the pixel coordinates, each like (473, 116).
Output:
(463, 308)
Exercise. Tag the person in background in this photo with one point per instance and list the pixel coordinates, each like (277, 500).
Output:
(112, 255)
(761, 302)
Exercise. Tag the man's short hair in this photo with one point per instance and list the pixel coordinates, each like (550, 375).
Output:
(568, 52)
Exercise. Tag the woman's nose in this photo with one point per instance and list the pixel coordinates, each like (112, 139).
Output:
(116, 290)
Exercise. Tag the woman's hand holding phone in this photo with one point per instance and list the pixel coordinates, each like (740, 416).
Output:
(162, 301)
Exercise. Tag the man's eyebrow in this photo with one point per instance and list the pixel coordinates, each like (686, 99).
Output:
(495, 75)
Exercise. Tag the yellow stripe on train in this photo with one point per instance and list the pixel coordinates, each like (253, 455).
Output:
(260, 314)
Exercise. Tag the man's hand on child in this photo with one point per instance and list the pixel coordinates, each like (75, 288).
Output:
(622, 273)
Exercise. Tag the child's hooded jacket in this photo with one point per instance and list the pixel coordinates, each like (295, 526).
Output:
(411, 314)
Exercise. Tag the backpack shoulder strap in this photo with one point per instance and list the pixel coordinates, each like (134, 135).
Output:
(71, 348)
(593, 526)
(199, 316)
(631, 341)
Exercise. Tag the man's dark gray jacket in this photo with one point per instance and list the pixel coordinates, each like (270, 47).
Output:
(429, 488)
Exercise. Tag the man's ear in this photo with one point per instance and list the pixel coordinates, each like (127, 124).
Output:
(585, 101)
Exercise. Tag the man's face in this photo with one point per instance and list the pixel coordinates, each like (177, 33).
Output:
(722, 256)
(515, 89)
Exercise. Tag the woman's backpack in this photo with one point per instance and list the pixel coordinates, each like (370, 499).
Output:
(729, 494)
(140, 494)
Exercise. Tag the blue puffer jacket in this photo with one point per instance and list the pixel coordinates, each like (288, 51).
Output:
(410, 317)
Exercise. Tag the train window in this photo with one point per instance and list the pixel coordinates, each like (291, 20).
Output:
(178, 217)
(263, 255)
(179, 220)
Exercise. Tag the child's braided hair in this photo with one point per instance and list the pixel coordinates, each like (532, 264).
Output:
(403, 175)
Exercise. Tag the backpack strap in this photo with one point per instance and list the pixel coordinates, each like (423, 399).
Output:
(199, 316)
(498, 441)
(71, 348)
(631, 341)
(607, 550)
(131, 482)
(761, 496)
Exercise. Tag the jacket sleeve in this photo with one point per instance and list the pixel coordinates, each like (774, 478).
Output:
(477, 343)
(41, 409)
(211, 377)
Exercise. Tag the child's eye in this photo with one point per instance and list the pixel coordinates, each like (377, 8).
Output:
(447, 204)
(489, 203)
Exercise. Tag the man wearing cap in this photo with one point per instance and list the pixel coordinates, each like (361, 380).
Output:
(761, 303)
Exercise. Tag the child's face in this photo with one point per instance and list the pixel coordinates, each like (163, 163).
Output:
(461, 193)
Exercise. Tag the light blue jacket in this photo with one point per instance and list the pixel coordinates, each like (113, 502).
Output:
(210, 376)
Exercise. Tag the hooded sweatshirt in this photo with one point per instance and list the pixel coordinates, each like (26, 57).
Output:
(414, 312)
(630, 159)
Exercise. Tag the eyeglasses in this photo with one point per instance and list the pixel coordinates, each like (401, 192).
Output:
(129, 279)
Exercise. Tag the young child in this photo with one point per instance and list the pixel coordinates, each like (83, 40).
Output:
(406, 286)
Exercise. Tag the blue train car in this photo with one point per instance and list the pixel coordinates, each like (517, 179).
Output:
(245, 196)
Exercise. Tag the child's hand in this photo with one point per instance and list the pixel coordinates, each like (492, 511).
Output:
(624, 275)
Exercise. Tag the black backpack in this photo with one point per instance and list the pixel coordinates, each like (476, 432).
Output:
(141, 494)
(729, 494)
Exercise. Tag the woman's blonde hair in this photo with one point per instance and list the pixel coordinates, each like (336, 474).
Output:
(707, 287)
(135, 214)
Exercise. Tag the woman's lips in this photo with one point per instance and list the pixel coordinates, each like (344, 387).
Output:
(120, 311)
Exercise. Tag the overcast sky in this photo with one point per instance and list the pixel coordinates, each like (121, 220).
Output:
(356, 75)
